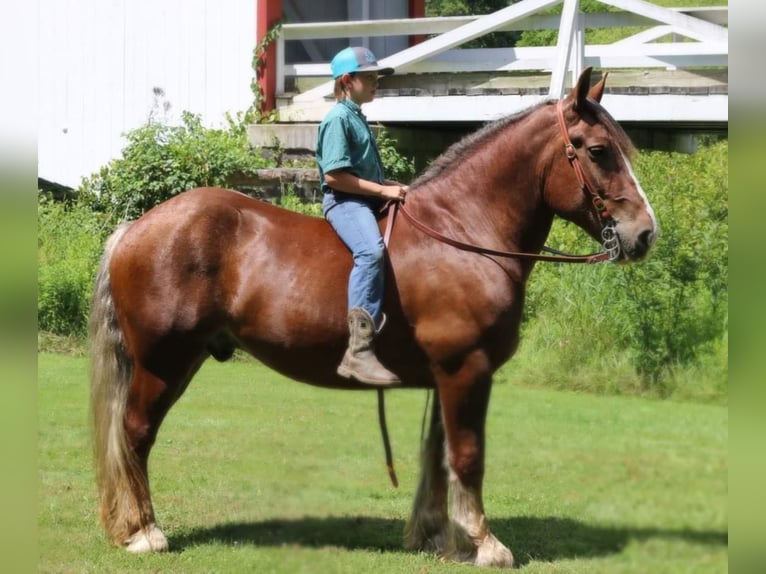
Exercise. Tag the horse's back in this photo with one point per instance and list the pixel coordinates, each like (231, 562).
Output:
(207, 231)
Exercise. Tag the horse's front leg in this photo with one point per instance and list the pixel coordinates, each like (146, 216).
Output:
(428, 526)
(464, 396)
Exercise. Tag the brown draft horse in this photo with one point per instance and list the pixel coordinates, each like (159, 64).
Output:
(212, 269)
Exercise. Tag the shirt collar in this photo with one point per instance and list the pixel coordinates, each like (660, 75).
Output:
(353, 106)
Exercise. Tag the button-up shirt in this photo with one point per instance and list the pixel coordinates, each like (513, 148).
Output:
(346, 142)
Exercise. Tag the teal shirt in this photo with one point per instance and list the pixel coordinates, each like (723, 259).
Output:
(346, 142)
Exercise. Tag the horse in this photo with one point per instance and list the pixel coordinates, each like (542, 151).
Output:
(212, 270)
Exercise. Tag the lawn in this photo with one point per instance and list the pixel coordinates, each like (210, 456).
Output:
(255, 473)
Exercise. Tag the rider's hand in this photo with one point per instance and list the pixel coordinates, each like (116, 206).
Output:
(394, 192)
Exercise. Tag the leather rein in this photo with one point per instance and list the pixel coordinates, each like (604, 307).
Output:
(608, 237)
(608, 233)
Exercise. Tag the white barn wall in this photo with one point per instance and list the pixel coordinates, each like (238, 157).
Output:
(101, 59)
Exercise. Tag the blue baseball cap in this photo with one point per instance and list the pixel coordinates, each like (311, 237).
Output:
(356, 59)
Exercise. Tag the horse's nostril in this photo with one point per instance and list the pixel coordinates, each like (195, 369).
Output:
(646, 237)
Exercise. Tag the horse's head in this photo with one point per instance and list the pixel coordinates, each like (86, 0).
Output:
(591, 181)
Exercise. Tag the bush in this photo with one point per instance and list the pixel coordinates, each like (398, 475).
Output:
(682, 321)
(161, 161)
(660, 326)
(69, 245)
(289, 199)
(641, 326)
(396, 167)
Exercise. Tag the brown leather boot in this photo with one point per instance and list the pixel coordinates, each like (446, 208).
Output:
(359, 362)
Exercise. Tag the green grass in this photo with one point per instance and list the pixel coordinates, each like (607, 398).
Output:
(255, 473)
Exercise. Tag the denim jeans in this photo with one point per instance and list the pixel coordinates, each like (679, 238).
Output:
(354, 221)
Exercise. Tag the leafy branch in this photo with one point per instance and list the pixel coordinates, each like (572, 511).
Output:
(259, 65)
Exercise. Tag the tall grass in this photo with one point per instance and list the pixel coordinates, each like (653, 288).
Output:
(69, 245)
(659, 327)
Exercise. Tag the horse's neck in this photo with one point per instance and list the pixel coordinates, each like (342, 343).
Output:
(493, 195)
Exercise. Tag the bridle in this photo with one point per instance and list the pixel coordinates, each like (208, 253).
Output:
(609, 238)
(608, 234)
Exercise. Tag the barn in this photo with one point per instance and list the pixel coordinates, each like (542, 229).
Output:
(107, 67)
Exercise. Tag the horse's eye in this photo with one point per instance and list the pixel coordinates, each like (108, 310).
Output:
(597, 151)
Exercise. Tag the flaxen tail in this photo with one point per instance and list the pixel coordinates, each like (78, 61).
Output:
(111, 372)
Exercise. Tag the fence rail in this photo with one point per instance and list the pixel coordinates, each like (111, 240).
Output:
(691, 37)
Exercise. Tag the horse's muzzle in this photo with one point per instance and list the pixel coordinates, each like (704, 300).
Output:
(638, 248)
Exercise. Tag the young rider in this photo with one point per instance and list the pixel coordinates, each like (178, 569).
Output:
(354, 187)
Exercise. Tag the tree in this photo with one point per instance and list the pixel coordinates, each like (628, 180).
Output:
(480, 7)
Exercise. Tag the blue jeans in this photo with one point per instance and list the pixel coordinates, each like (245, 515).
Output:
(354, 221)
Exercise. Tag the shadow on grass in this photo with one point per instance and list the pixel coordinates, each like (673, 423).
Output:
(529, 538)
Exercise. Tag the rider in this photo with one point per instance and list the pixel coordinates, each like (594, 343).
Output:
(354, 187)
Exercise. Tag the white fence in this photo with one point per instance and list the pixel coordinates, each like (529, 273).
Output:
(101, 60)
(698, 38)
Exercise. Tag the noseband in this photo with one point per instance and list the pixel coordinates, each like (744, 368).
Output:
(609, 238)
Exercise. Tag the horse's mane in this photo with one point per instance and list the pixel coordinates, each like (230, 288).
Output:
(463, 147)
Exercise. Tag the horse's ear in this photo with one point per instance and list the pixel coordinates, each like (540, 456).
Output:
(597, 91)
(580, 91)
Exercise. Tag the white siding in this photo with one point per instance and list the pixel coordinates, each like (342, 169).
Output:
(101, 59)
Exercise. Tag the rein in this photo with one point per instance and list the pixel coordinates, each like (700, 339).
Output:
(386, 440)
(608, 237)
(608, 233)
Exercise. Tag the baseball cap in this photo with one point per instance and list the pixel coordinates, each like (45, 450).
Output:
(356, 59)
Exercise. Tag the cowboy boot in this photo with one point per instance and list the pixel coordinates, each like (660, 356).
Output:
(359, 362)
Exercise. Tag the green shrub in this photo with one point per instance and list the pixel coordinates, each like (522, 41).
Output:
(69, 245)
(396, 166)
(683, 319)
(292, 201)
(644, 325)
(161, 161)
(660, 326)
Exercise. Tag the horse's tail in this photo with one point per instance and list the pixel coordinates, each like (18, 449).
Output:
(116, 465)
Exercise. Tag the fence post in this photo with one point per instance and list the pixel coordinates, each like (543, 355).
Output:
(564, 47)
(577, 57)
(417, 9)
(268, 14)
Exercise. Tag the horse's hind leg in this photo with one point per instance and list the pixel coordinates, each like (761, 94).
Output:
(465, 396)
(150, 398)
(128, 403)
(427, 527)
(148, 401)
(130, 427)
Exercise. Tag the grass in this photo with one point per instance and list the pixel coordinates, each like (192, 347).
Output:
(254, 473)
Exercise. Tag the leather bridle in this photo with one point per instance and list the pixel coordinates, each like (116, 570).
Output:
(598, 203)
(608, 234)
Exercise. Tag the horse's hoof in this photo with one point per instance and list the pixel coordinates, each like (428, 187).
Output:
(149, 540)
(490, 553)
(494, 553)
